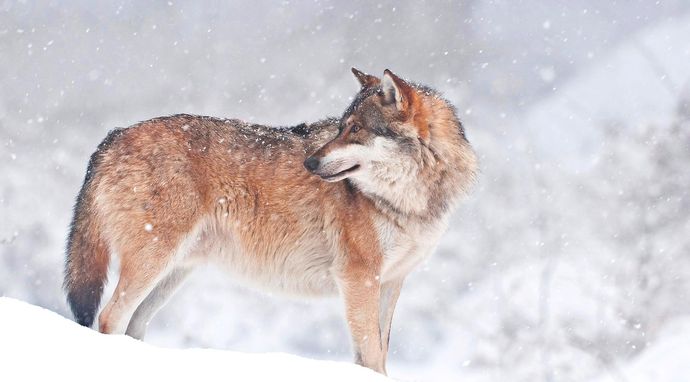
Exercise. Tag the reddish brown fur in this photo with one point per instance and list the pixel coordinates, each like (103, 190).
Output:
(169, 193)
(161, 174)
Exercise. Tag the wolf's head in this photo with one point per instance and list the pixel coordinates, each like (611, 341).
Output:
(392, 141)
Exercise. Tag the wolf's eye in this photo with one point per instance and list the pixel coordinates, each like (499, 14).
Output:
(355, 128)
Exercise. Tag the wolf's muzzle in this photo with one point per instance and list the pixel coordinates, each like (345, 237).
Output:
(311, 164)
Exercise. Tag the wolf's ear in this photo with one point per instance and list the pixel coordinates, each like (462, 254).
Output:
(366, 80)
(395, 90)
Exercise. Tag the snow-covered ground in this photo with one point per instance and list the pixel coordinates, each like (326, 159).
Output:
(39, 345)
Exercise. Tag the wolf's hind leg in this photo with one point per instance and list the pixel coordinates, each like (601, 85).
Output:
(158, 297)
(140, 271)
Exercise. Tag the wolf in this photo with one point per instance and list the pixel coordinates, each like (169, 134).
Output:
(344, 206)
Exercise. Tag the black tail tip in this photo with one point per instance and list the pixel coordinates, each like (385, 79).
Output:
(84, 307)
(84, 319)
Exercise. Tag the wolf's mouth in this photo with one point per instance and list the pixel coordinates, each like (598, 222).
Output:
(340, 175)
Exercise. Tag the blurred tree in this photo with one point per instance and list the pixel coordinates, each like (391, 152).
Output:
(641, 211)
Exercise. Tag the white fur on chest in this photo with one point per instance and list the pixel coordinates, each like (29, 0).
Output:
(405, 247)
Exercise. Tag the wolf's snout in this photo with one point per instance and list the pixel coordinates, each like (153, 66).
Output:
(311, 164)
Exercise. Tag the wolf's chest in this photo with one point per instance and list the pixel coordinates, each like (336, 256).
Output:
(405, 247)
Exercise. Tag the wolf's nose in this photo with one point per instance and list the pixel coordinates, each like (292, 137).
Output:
(311, 164)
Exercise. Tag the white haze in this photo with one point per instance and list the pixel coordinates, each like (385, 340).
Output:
(570, 260)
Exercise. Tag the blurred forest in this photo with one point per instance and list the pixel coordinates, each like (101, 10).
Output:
(569, 261)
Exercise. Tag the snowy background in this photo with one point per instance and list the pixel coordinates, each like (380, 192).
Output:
(571, 259)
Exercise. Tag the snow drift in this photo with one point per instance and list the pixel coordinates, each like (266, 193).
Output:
(37, 344)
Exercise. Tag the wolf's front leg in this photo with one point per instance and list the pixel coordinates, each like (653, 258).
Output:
(360, 289)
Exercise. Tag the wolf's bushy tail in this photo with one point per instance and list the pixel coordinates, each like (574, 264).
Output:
(88, 255)
(86, 266)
